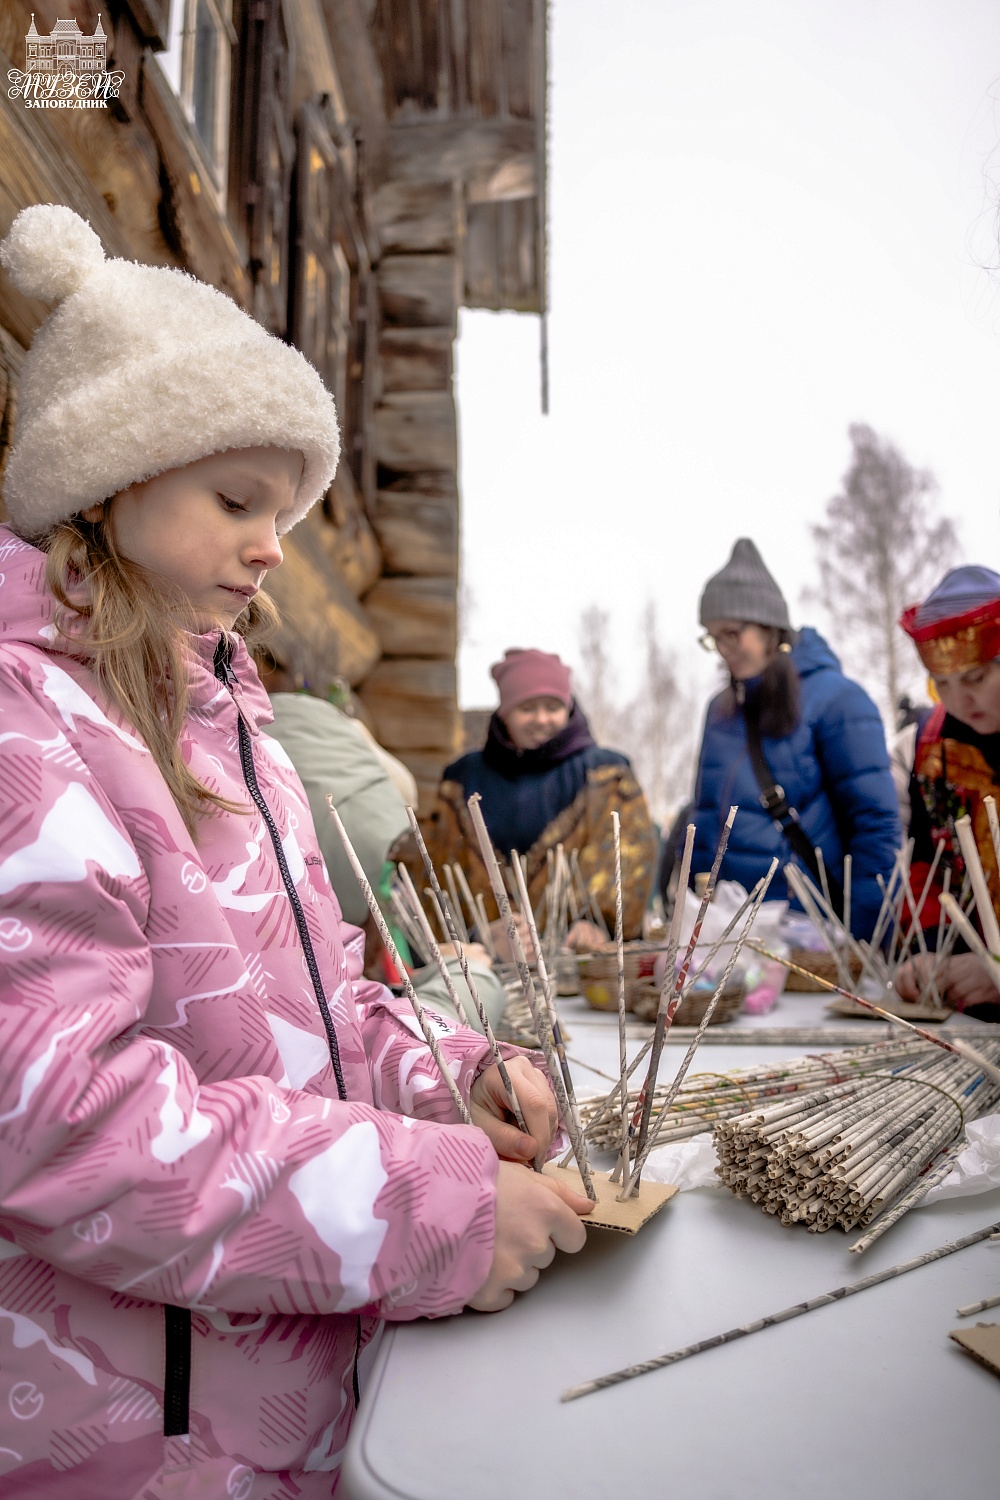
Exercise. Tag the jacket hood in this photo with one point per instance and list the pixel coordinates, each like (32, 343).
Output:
(27, 616)
(811, 652)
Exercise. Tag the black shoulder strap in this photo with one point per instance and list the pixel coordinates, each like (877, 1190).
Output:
(177, 1378)
(774, 801)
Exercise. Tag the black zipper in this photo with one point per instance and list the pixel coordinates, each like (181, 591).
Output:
(225, 674)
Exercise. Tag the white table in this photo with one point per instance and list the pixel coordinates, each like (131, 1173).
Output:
(867, 1398)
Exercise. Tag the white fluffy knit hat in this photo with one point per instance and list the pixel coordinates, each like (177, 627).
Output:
(141, 369)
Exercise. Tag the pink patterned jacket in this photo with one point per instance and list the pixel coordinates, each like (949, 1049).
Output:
(199, 1109)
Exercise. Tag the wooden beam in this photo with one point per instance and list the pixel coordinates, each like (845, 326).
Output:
(469, 151)
(419, 216)
(416, 522)
(417, 430)
(205, 240)
(344, 531)
(325, 632)
(413, 704)
(415, 616)
(416, 359)
(419, 291)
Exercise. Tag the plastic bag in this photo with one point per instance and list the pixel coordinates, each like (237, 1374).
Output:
(977, 1170)
(763, 979)
(686, 1164)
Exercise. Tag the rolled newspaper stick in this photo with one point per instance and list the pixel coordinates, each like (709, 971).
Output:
(539, 1013)
(670, 989)
(393, 952)
(430, 942)
(978, 1307)
(484, 1019)
(622, 1169)
(607, 1105)
(991, 812)
(640, 1160)
(550, 1004)
(974, 865)
(521, 886)
(456, 904)
(631, 1371)
(991, 962)
(962, 1049)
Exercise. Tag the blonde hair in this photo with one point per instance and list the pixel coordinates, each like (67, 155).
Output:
(128, 625)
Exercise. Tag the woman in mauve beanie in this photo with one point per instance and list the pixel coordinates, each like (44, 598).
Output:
(821, 740)
(544, 782)
(955, 767)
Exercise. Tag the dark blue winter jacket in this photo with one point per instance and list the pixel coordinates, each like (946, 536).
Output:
(834, 768)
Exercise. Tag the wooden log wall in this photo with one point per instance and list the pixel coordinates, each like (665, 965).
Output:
(412, 694)
(394, 143)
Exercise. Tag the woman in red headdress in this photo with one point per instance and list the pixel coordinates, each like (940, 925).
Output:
(956, 631)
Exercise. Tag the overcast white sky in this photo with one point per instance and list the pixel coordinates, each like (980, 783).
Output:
(768, 219)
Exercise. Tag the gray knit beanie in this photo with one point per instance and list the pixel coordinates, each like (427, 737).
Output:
(744, 590)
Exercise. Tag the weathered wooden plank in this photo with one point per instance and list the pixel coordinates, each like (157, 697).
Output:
(204, 240)
(417, 430)
(345, 532)
(418, 216)
(520, 21)
(419, 290)
(463, 150)
(413, 704)
(415, 616)
(501, 266)
(325, 632)
(426, 767)
(418, 533)
(360, 78)
(416, 359)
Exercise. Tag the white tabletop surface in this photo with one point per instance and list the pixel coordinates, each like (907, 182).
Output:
(866, 1398)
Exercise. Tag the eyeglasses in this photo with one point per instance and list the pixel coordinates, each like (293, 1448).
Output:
(729, 638)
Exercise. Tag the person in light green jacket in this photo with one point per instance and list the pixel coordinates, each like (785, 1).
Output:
(336, 756)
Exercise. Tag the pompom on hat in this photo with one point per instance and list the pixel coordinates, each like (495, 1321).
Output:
(530, 674)
(957, 627)
(744, 590)
(141, 369)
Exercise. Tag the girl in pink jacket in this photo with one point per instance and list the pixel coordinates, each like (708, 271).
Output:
(223, 1155)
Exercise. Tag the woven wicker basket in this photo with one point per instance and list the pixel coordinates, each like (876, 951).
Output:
(516, 1025)
(692, 1008)
(567, 976)
(820, 964)
(598, 974)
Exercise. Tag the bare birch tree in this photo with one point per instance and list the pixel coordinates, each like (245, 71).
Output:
(881, 547)
(657, 728)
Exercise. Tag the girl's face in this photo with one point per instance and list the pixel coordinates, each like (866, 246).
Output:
(535, 721)
(211, 528)
(746, 649)
(973, 696)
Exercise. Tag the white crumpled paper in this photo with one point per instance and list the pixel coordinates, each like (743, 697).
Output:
(687, 1164)
(978, 1168)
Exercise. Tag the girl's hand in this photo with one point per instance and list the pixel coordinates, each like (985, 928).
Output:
(490, 1110)
(535, 1217)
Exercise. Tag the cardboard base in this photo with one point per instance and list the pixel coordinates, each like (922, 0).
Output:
(608, 1213)
(906, 1010)
(982, 1342)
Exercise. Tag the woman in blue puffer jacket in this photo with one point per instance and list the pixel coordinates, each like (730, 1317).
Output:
(821, 737)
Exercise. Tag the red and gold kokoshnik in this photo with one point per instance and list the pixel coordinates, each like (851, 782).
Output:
(959, 644)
